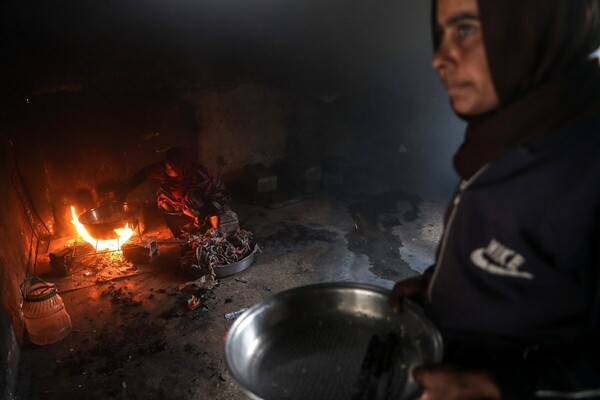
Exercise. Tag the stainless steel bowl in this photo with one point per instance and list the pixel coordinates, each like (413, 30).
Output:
(309, 342)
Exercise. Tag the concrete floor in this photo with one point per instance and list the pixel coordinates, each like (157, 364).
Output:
(135, 338)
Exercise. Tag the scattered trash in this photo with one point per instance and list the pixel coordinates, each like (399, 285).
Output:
(193, 314)
(193, 302)
(241, 280)
(233, 315)
(204, 282)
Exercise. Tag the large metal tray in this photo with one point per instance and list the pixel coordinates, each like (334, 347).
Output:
(309, 342)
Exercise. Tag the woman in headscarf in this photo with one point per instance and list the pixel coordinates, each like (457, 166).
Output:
(515, 290)
(188, 189)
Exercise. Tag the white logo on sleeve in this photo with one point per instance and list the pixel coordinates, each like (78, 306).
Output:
(498, 259)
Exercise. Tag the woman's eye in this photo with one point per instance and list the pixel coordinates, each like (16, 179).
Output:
(465, 30)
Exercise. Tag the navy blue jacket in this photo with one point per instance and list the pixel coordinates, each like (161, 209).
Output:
(516, 286)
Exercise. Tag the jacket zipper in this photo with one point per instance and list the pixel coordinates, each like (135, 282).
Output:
(464, 184)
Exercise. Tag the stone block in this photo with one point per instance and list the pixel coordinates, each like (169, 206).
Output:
(140, 251)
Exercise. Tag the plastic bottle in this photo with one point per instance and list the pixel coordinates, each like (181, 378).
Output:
(46, 318)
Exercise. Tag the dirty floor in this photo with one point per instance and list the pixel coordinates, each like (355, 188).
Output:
(134, 336)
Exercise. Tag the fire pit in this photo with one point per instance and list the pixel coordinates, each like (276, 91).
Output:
(101, 222)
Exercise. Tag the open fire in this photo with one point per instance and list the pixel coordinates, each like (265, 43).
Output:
(112, 244)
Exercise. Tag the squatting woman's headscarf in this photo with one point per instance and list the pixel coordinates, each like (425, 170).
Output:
(183, 160)
(538, 55)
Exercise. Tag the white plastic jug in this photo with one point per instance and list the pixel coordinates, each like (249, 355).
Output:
(46, 318)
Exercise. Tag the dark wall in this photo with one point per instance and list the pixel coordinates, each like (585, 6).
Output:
(366, 64)
(306, 45)
(15, 257)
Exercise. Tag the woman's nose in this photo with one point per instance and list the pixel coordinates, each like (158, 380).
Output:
(441, 57)
(437, 60)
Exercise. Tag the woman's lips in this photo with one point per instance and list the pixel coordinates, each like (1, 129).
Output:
(456, 87)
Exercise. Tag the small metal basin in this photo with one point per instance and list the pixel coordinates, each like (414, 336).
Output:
(309, 342)
(221, 271)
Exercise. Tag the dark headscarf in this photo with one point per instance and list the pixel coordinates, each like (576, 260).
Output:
(183, 160)
(538, 54)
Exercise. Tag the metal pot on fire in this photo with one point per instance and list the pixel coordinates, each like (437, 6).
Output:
(101, 222)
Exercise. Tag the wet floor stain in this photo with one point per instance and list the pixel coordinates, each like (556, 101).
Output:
(380, 245)
(383, 207)
(295, 235)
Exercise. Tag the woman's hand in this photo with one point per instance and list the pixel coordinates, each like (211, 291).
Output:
(197, 223)
(446, 382)
(417, 285)
(190, 212)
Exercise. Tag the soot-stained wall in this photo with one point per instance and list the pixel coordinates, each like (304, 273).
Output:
(365, 64)
(90, 144)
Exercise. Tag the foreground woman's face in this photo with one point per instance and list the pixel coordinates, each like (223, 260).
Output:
(460, 59)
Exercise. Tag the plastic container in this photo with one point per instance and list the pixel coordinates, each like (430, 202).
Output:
(46, 318)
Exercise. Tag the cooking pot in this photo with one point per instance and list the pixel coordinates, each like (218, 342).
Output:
(101, 222)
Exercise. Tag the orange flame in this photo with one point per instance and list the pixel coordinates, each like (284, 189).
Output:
(112, 244)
